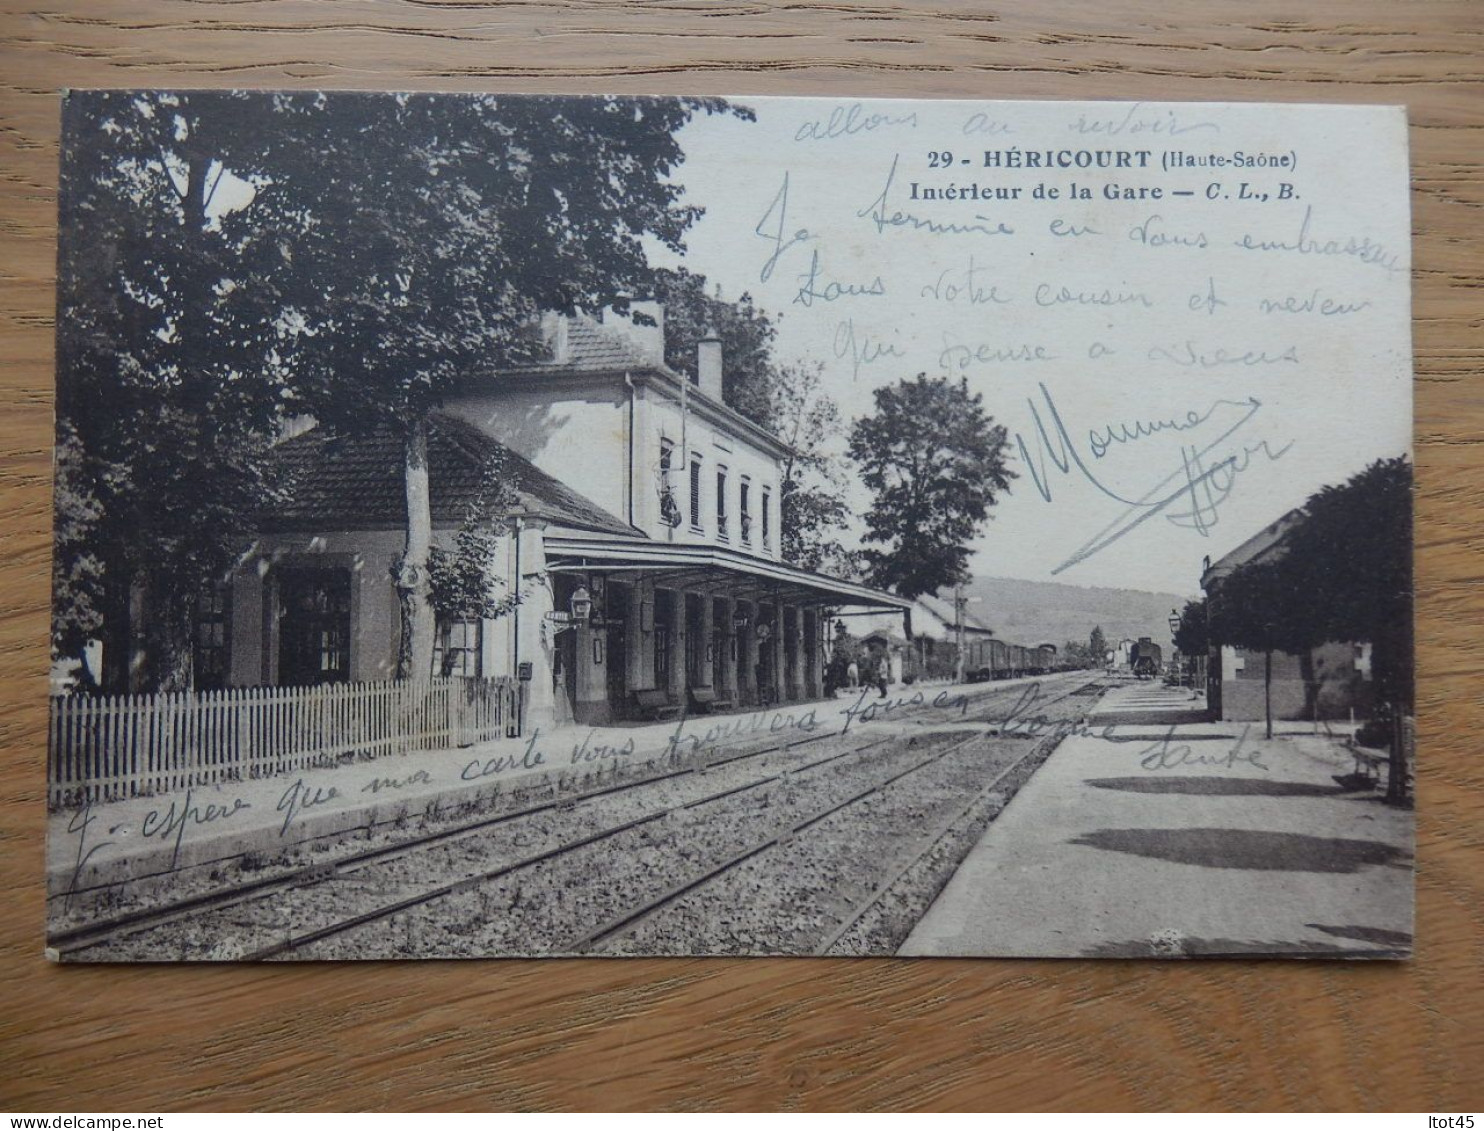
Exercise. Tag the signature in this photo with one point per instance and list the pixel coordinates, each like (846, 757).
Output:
(1205, 478)
(1166, 754)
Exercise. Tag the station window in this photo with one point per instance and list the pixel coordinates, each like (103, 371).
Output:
(767, 518)
(213, 619)
(669, 509)
(695, 492)
(458, 647)
(721, 504)
(744, 491)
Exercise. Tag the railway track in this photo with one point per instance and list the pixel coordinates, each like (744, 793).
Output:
(895, 873)
(263, 893)
(71, 942)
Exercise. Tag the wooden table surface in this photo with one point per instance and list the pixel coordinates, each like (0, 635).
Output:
(800, 1033)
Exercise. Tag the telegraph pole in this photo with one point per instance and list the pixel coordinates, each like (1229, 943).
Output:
(958, 628)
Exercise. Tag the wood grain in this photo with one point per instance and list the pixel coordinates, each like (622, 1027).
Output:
(791, 1034)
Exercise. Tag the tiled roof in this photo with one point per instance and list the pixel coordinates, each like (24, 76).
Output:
(592, 347)
(943, 610)
(1269, 541)
(356, 483)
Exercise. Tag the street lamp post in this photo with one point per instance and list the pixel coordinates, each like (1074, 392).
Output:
(1174, 632)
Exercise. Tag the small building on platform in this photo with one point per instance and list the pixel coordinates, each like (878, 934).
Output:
(1332, 681)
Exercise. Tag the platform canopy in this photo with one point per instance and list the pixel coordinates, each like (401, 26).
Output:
(711, 569)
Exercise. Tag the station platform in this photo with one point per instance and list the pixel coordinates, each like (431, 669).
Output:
(1163, 838)
(1148, 701)
(138, 837)
(152, 836)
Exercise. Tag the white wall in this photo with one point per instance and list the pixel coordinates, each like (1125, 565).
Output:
(577, 433)
(716, 446)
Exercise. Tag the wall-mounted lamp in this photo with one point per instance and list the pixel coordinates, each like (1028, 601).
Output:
(580, 611)
(581, 605)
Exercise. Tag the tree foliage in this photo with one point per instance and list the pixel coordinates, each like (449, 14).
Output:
(812, 492)
(936, 463)
(1076, 654)
(177, 334)
(1258, 607)
(1097, 645)
(463, 581)
(1342, 573)
(377, 251)
(750, 377)
(1351, 558)
(1191, 637)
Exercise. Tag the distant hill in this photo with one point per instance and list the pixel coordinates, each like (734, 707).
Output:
(1035, 612)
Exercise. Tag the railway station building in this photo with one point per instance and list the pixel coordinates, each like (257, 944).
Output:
(640, 526)
(1332, 681)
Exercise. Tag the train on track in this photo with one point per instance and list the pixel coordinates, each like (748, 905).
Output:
(999, 659)
(1144, 658)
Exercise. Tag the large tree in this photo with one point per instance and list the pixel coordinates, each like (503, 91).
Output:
(813, 511)
(1259, 607)
(936, 463)
(1097, 645)
(458, 220)
(1192, 635)
(1352, 558)
(178, 324)
(379, 248)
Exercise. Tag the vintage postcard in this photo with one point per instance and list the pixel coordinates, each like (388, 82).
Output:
(516, 525)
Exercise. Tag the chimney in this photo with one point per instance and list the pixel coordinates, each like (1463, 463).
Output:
(649, 340)
(708, 364)
(554, 335)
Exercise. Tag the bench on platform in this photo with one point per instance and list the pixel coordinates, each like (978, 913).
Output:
(1368, 763)
(655, 703)
(706, 700)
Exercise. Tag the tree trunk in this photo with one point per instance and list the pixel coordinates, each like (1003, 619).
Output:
(1267, 688)
(415, 647)
(1310, 675)
(168, 620)
(118, 647)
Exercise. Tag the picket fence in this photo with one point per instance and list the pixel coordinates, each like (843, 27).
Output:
(110, 747)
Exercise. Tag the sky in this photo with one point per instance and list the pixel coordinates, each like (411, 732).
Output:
(1175, 371)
